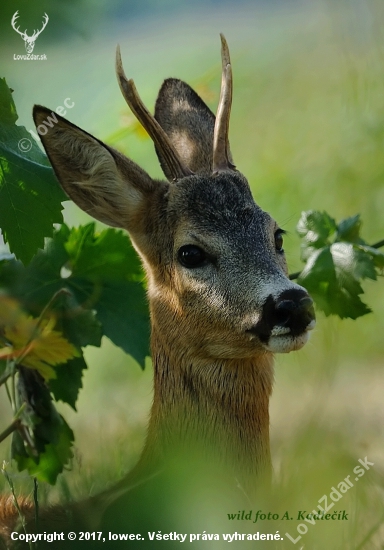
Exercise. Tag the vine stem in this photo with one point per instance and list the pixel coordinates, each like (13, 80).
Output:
(14, 425)
(11, 428)
(379, 244)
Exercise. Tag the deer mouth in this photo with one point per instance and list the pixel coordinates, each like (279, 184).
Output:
(283, 340)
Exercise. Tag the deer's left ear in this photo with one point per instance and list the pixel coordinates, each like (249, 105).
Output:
(101, 181)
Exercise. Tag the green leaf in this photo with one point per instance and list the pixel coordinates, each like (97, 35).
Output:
(349, 229)
(78, 325)
(334, 270)
(50, 462)
(352, 263)
(107, 256)
(319, 268)
(68, 381)
(332, 275)
(316, 228)
(123, 311)
(30, 197)
(375, 254)
(8, 112)
(318, 276)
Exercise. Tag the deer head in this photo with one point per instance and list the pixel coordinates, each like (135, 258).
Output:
(220, 299)
(28, 40)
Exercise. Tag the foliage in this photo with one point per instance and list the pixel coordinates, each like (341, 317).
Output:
(30, 197)
(337, 261)
(64, 288)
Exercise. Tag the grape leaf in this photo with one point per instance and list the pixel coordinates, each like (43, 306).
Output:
(30, 196)
(375, 254)
(337, 261)
(332, 276)
(51, 460)
(103, 256)
(68, 381)
(352, 264)
(79, 325)
(113, 290)
(32, 341)
(349, 229)
(123, 312)
(316, 228)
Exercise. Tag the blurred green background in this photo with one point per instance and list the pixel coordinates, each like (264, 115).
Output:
(307, 129)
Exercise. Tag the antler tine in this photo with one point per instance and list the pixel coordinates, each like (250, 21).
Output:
(45, 22)
(149, 123)
(13, 22)
(221, 155)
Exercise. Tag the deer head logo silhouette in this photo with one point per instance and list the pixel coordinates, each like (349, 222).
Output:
(29, 40)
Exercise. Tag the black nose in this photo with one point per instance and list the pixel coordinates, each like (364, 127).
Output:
(285, 310)
(293, 309)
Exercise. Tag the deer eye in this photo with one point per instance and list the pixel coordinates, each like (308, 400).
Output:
(279, 240)
(191, 256)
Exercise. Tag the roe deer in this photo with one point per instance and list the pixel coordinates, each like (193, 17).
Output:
(221, 303)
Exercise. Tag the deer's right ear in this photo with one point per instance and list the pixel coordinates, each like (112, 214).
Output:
(189, 124)
(101, 181)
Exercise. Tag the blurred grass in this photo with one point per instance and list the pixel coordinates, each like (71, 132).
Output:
(307, 129)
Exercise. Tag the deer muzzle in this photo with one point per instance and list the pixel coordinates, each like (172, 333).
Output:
(285, 321)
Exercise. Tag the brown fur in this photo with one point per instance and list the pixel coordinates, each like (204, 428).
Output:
(9, 515)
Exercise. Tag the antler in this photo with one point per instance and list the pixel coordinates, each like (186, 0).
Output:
(221, 155)
(149, 123)
(13, 23)
(45, 21)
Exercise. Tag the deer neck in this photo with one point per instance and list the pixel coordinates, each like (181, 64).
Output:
(220, 406)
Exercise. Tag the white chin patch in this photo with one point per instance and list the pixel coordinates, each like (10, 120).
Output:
(284, 343)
